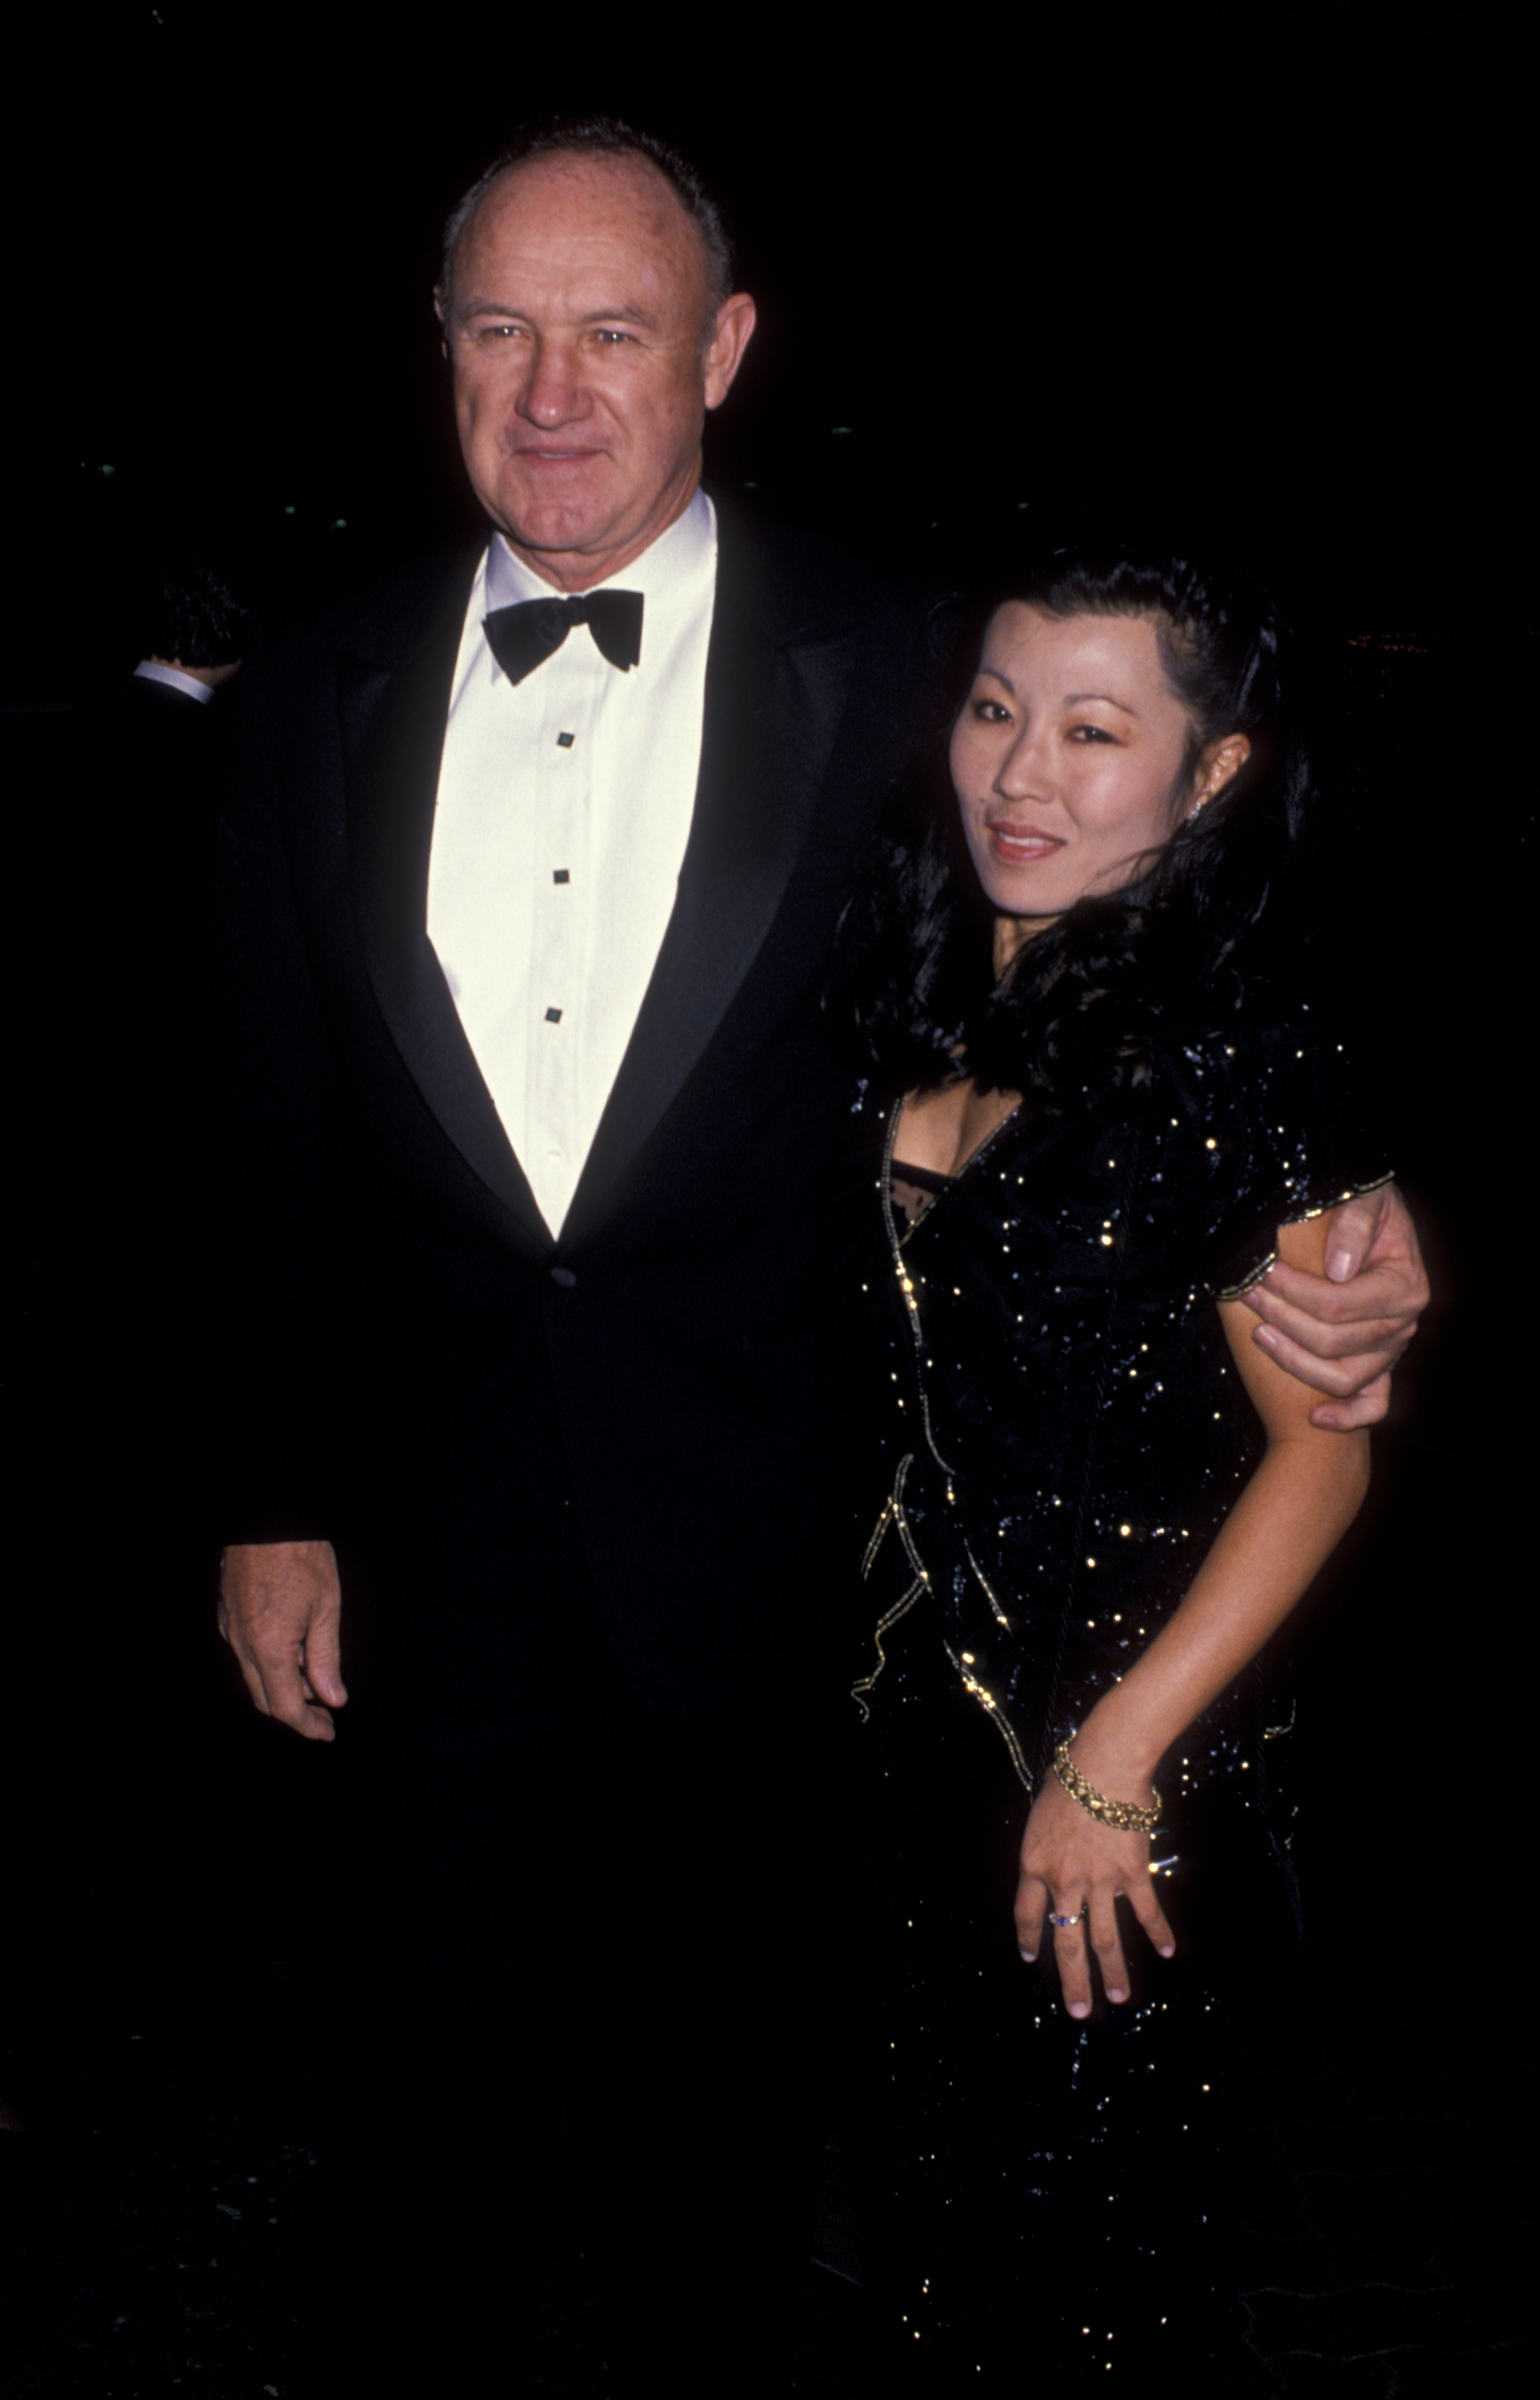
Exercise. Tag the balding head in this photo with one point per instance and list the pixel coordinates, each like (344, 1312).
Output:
(586, 344)
(601, 137)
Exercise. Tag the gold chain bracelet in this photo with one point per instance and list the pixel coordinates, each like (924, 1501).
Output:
(1121, 1815)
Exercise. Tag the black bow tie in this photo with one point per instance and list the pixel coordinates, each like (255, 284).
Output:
(525, 635)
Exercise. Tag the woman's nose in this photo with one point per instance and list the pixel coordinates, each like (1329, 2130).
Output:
(1023, 769)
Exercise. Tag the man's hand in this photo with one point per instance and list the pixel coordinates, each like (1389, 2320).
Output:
(1342, 1332)
(280, 1612)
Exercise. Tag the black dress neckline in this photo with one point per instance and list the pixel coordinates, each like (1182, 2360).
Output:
(925, 1179)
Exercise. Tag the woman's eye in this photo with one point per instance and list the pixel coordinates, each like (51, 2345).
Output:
(1090, 734)
(990, 711)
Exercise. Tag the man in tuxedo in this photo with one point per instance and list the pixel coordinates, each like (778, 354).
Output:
(539, 1415)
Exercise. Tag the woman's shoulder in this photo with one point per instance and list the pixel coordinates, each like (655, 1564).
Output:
(1255, 1103)
(1252, 1020)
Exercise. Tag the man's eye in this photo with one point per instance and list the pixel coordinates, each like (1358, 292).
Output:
(611, 333)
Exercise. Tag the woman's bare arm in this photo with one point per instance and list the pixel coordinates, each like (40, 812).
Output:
(1342, 1330)
(1305, 1490)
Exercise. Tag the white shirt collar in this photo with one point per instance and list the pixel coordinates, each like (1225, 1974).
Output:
(174, 679)
(669, 565)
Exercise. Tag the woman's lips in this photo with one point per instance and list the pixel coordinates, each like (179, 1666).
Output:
(1020, 845)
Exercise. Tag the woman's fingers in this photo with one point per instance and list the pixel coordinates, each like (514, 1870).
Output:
(1092, 1930)
(1073, 1874)
(1074, 1966)
(1085, 1929)
(1067, 1929)
(1031, 1901)
(1102, 1913)
(1144, 1901)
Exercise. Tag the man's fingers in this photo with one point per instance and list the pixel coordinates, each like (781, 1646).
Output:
(1341, 1379)
(324, 1656)
(233, 1631)
(250, 1676)
(1351, 1231)
(1338, 1378)
(1367, 1408)
(1367, 1313)
(1342, 1339)
(292, 1702)
(315, 1724)
(281, 1690)
(280, 1610)
(1376, 1235)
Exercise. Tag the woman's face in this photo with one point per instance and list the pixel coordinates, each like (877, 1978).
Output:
(1067, 763)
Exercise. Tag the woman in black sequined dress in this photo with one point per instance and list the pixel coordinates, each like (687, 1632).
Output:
(1121, 1102)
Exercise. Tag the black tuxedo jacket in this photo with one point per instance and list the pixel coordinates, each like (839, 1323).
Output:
(408, 1363)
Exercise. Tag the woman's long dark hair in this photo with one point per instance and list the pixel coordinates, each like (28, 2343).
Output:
(1087, 997)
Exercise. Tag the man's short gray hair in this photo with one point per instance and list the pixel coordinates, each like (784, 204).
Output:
(601, 137)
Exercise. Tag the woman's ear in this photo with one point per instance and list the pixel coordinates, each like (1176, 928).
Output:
(1219, 764)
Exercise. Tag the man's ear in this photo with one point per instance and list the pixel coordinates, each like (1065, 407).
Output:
(443, 321)
(729, 339)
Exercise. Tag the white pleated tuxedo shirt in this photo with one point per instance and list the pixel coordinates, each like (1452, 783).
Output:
(564, 808)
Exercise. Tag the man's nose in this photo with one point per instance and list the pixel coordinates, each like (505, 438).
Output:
(552, 393)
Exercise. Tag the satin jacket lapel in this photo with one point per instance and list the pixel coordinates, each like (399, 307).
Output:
(771, 716)
(394, 704)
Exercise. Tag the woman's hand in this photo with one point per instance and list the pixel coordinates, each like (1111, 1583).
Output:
(1073, 1867)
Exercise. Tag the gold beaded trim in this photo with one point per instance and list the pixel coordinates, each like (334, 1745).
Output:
(1121, 1815)
(1355, 1191)
(993, 1710)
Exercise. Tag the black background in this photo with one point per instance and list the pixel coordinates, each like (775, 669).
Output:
(1257, 266)
(1255, 269)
